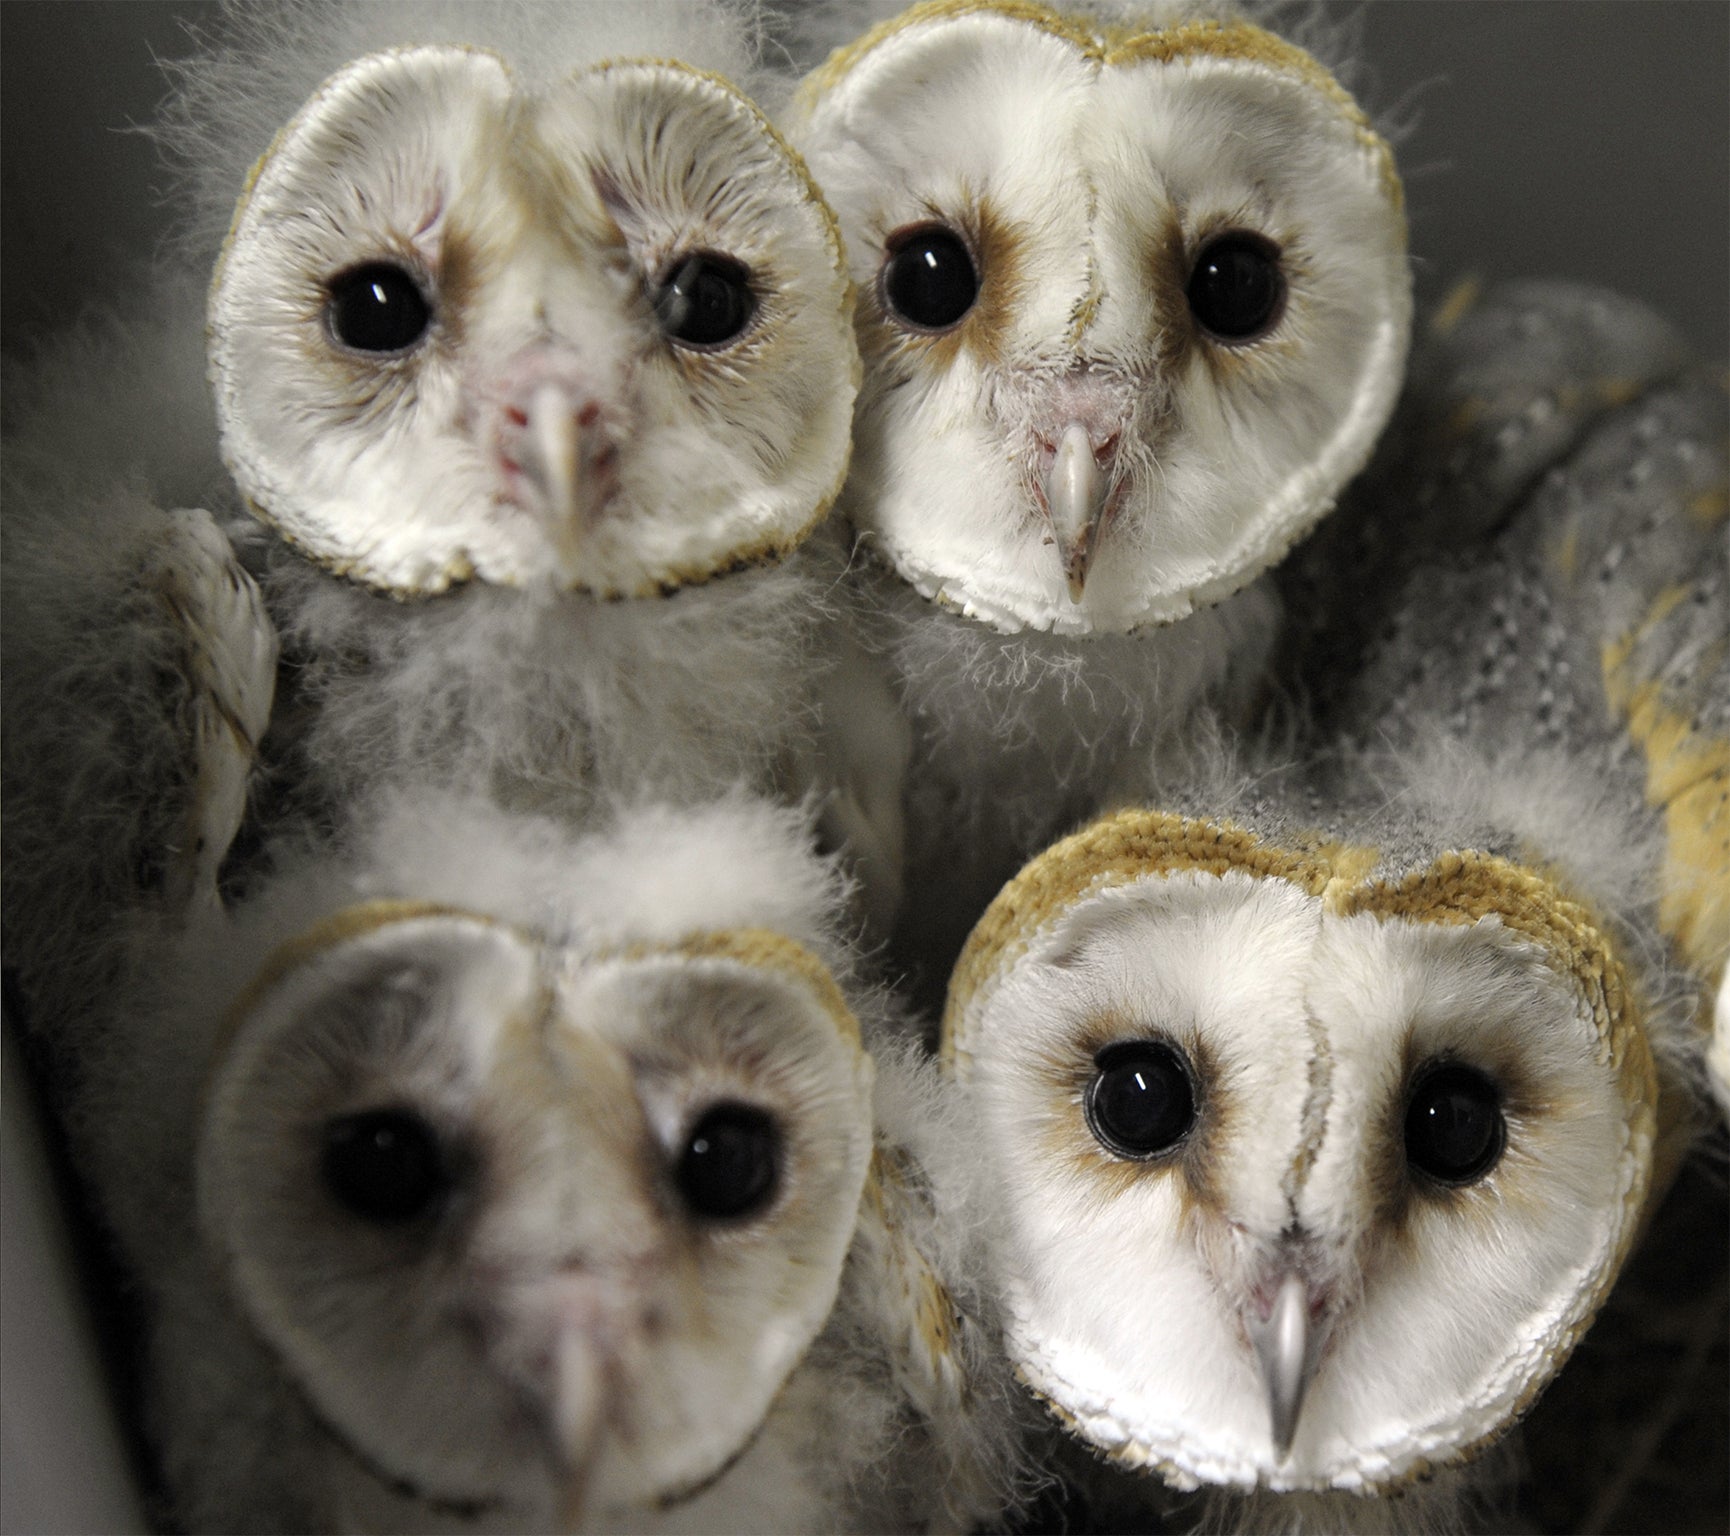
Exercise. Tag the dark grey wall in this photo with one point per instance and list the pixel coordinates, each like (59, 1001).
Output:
(1587, 138)
(1584, 138)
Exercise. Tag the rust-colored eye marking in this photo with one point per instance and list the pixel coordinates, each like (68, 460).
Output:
(1237, 289)
(929, 280)
(377, 307)
(1141, 1102)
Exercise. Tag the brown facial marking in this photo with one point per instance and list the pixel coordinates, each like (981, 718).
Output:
(1170, 260)
(1064, 1137)
(995, 244)
(1397, 1194)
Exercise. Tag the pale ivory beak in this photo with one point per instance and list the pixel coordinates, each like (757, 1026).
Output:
(578, 1386)
(1075, 494)
(566, 452)
(1287, 1348)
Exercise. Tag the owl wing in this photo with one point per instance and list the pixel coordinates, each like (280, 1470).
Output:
(140, 676)
(1502, 388)
(228, 652)
(1633, 534)
(928, 1340)
(915, 1288)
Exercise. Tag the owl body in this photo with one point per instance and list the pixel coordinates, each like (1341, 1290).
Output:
(1589, 707)
(1126, 334)
(1303, 1035)
(479, 1176)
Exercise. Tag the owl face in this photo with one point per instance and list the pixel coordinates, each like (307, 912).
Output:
(528, 1225)
(594, 338)
(1312, 1182)
(1133, 305)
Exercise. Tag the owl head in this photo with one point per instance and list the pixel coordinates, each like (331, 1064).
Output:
(1133, 303)
(591, 335)
(1315, 1163)
(538, 1220)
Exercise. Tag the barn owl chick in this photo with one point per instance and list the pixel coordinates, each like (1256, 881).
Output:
(1374, 1065)
(1336, 1150)
(1133, 306)
(552, 372)
(482, 1177)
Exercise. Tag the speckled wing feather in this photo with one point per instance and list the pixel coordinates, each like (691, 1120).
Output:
(1500, 390)
(229, 650)
(140, 677)
(912, 1295)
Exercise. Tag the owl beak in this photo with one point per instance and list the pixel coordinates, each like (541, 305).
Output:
(570, 459)
(1077, 489)
(578, 1391)
(1288, 1344)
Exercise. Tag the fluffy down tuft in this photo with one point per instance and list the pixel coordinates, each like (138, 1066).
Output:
(547, 702)
(255, 67)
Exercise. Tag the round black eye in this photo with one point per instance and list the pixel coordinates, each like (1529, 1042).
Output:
(731, 1162)
(384, 1165)
(377, 308)
(928, 279)
(1141, 1101)
(705, 301)
(1454, 1126)
(1237, 290)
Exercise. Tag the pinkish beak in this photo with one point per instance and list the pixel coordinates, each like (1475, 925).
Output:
(1077, 490)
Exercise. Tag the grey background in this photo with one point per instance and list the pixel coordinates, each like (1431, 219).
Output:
(1582, 138)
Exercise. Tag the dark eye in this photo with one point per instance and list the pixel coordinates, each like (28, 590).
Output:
(1237, 290)
(1141, 1101)
(731, 1162)
(384, 1165)
(928, 279)
(705, 301)
(1454, 1126)
(377, 308)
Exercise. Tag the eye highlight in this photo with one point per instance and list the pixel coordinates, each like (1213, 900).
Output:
(704, 301)
(1237, 289)
(1141, 1100)
(929, 280)
(384, 1166)
(730, 1166)
(1455, 1128)
(377, 307)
